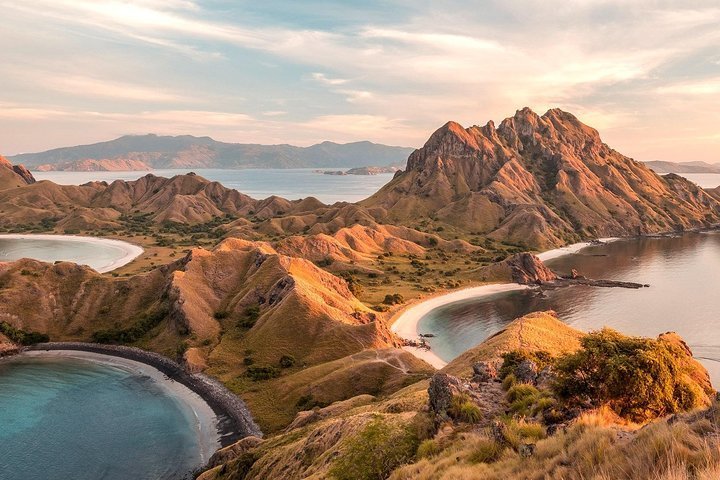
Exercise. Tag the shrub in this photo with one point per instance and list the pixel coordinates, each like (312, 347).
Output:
(427, 448)
(21, 336)
(486, 451)
(287, 361)
(142, 326)
(250, 316)
(375, 452)
(262, 372)
(221, 314)
(393, 299)
(512, 359)
(463, 409)
(638, 378)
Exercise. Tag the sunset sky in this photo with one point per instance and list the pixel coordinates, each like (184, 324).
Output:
(644, 73)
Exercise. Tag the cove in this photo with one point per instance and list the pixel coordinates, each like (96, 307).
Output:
(100, 254)
(87, 416)
(683, 272)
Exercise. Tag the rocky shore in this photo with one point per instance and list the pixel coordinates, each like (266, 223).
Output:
(226, 405)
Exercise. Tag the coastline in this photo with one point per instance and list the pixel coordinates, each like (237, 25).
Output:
(197, 410)
(405, 323)
(130, 250)
(234, 418)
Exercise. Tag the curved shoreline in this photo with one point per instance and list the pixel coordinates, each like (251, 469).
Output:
(204, 420)
(130, 250)
(234, 417)
(405, 323)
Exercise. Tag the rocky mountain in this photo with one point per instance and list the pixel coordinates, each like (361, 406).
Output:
(539, 181)
(683, 167)
(142, 152)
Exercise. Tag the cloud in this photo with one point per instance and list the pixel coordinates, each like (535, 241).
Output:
(625, 68)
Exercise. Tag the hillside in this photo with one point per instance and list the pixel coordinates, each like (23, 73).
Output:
(13, 176)
(142, 152)
(683, 167)
(467, 424)
(540, 181)
(235, 311)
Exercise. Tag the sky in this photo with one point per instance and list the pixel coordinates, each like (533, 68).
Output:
(645, 73)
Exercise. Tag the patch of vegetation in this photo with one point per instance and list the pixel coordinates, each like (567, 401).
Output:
(376, 451)
(250, 316)
(287, 361)
(258, 373)
(21, 336)
(512, 359)
(393, 299)
(140, 328)
(638, 378)
(463, 409)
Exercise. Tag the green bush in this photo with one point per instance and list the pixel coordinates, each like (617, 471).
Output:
(250, 317)
(376, 451)
(262, 372)
(393, 299)
(512, 359)
(427, 448)
(142, 326)
(463, 409)
(287, 361)
(21, 336)
(638, 378)
(486, 451)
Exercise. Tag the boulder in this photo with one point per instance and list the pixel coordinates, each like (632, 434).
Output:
(484, 372)
(526, 372)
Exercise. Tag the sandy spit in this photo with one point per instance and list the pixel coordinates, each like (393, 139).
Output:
(405, 324)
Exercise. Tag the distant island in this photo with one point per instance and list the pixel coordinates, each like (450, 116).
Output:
(370, 170)
(683, 167)
(147, 152)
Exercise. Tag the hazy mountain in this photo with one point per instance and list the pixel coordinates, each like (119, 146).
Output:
(142, 152)
(683, 167)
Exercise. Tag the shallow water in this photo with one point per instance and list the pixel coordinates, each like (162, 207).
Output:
(258, 183)
(97, 255)
(71, 418)
(684, 277)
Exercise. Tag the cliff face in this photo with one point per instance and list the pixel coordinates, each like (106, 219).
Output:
(540, 181)
(12, 176)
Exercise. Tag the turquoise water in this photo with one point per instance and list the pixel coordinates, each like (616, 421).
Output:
(69, 418)
(258, 183)
(100, 256)
(684, 277)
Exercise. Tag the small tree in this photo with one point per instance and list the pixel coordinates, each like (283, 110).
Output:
(638, 378)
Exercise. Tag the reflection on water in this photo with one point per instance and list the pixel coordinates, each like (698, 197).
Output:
(683, 273)
(99, 256)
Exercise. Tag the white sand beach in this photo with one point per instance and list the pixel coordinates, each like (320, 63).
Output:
(405, 324)
(129, 251)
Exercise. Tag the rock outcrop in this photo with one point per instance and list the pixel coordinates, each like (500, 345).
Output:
(13, 176)
(523, 268)
(540, 181)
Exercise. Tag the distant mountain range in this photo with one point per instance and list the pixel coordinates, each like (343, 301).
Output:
(146, 152)
(684, 167)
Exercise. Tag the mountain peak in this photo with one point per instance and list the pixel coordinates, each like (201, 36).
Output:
(539, 181)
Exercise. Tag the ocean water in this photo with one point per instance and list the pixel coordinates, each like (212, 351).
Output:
(65, 418)
(101, 256)
(705, 180)
(684, 277)
(257, 183)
